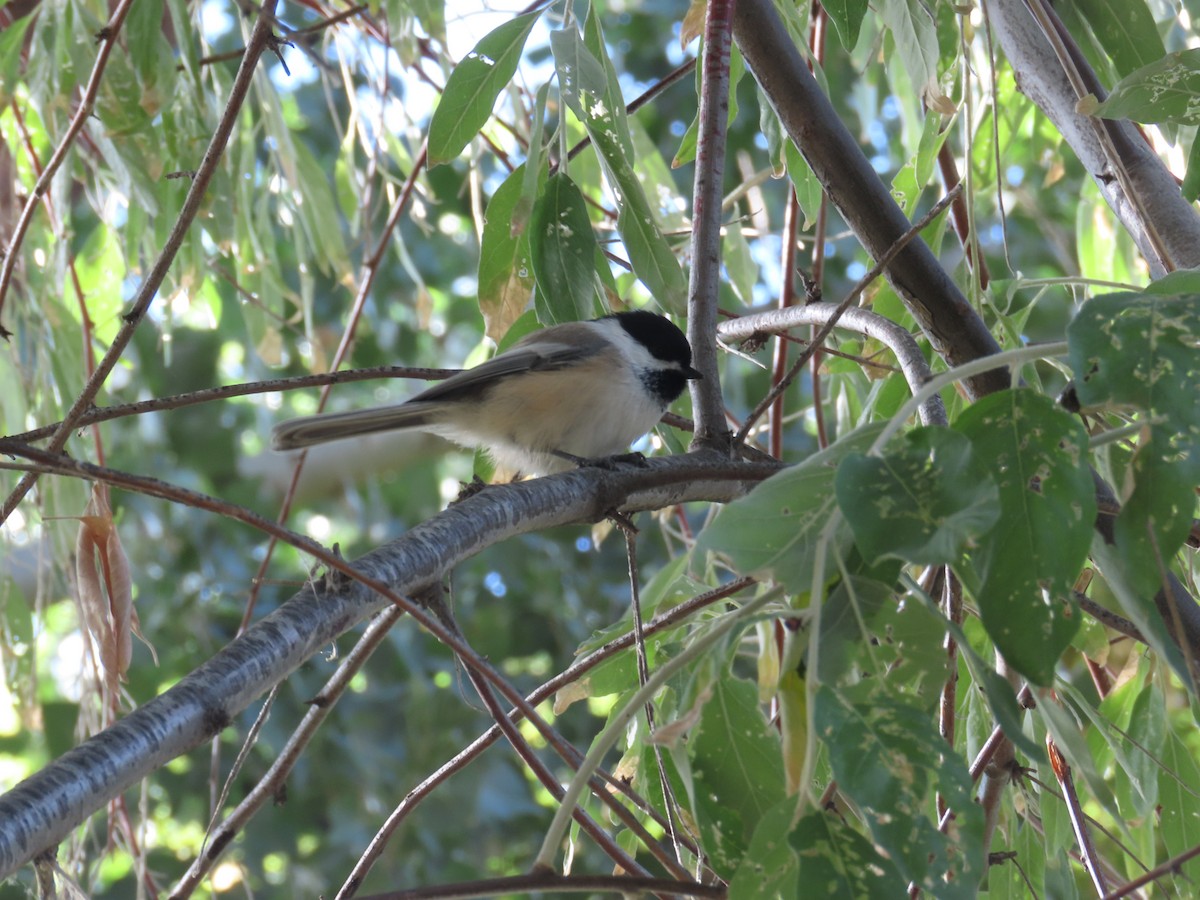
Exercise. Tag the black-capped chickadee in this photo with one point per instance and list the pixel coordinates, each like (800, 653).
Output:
(562, 395)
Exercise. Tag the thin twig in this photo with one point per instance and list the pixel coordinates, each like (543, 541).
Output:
(670, 619)
(370, 273)
(1087, 849)
(543, 882)
(271, 783)
(209, 395)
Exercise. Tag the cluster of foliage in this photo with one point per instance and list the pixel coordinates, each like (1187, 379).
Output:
(957, 657)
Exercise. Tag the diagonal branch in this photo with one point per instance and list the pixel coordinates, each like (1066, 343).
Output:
(957, 332)
(45, 807)
(1130, 176)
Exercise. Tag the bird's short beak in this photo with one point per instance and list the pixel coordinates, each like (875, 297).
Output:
(692, 375)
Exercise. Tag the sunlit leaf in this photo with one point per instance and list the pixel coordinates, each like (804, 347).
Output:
(916, 41)
(473, 86)
(505, 270)
(590, 94)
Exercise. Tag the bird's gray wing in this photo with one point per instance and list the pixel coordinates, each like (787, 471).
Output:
(535, 356)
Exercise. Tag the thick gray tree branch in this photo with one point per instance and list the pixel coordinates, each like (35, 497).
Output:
(956, 331)
(43, 809)
(1131, 177)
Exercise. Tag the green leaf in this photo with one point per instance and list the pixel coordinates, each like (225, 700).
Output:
(857, 611)
(774, 529)
(841, 861)
(1167, 90)
(586, 89)
(1126, 31)
(12, 39)
(804, 180)
(1140, 748)
(1191, 179)
(318, 211)
(888, 761)
(736, 768)
(847, 17)
(769, 869)
(739, 263)
(997, 691)
(1139, 350)
(505, 272)
(593, 39)
(921, 502)
(1131, 349)
(1029, 561)
(1178, 793)
(916, 41)
(563, 248)
(1181, 281)
(535, 172)
(687, 144)
(473, 86)
(581, 78)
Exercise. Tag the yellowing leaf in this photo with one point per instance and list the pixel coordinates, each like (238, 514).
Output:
(105, 587)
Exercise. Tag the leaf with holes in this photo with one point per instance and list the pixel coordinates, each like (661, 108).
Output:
(774, 529)
(1166, 90)
(842, 861)
(889, 762)
(922, 501)
(1141, 351)
(737, 770)
(1028, 562)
